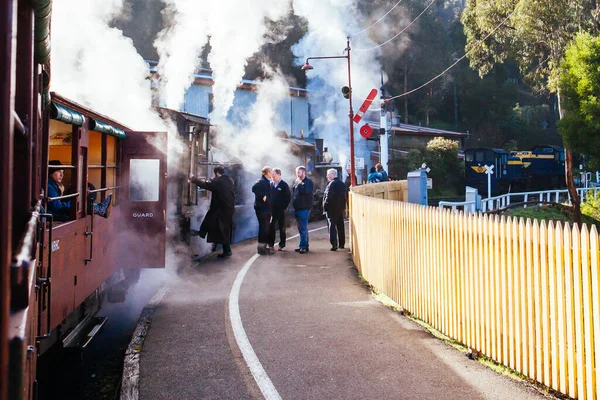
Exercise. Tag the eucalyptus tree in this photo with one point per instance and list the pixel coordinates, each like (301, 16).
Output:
(534, 33)
(580, 85)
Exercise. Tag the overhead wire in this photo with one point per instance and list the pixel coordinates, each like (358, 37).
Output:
(456, 62)
(378, 21)
(401, 32)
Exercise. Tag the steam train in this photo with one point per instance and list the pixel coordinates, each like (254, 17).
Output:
(54, 275)
(542, 167)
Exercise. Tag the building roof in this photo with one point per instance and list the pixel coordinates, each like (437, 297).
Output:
(299, 142)
(421, 130)
(185, 115)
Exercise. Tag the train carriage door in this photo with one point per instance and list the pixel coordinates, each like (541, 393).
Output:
(142, 237)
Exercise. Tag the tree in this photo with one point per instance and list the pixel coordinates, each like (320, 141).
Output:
(580, 86)
(535, 34)
(441, 155)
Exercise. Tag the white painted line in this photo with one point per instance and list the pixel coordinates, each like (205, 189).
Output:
(316, 229)
(259, 373)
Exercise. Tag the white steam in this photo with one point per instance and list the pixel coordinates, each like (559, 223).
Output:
(97, 66)
(237, 30)
(329, 23)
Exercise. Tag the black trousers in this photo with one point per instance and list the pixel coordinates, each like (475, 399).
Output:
(337, 234)
(264, 221)
(278, 219)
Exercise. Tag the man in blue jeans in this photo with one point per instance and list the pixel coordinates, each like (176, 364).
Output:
(302, 198)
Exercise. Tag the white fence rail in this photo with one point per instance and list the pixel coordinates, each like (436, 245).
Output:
(498, 202)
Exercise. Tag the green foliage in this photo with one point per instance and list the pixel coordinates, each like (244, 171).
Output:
(591, 207)
(535, 34)
(415, 159)
(580, 87)
(441, 155)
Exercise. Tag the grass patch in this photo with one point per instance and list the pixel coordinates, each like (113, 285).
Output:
(550, 213)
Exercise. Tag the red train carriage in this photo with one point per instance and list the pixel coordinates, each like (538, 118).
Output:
(53, 274)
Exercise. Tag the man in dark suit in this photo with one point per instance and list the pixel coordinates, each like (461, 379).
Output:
(334, 204)
(263, 208)
(218, 220)
(280, 197)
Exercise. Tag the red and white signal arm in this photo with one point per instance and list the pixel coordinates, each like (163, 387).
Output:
(366, 131)
(365, 106)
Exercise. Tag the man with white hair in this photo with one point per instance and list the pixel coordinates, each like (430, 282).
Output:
(334, 204)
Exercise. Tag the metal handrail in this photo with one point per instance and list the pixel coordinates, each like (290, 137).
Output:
(19, 125)
(68, 196)
(22, 261)
(90, 233)
(46, 283)
(57, 167)
(104, 189)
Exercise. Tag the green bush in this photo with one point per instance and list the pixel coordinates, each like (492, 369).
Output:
(447, 172)
(591, 207)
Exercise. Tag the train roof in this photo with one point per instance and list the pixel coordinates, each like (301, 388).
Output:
(546, 146)
(498, 151)
(63, 101)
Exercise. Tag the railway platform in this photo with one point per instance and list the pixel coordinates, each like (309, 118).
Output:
(297, 326)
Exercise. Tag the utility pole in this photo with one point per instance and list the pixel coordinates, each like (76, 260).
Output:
(383, 126)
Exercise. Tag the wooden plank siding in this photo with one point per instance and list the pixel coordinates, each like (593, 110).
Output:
(525, 294)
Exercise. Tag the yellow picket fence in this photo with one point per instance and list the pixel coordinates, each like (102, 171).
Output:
(524, 294)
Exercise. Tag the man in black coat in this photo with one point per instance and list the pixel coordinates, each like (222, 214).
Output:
(263, 209)
(334, 204)
(280, 197)
(218, 220)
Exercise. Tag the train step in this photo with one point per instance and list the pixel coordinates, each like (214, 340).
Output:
(84, 333)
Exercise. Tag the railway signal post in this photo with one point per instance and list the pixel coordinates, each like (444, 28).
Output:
(489, 170)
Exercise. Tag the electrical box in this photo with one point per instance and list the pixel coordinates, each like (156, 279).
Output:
(417, 187)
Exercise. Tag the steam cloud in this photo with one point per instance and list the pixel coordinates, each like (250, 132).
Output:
(97, 66)
(237, 30)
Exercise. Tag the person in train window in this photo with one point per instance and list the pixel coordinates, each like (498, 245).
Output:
(58, 208)
(263, 207)
(102, 209)
(281, 197)
(218, 220)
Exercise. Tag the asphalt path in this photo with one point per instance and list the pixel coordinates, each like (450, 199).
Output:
(298, 326)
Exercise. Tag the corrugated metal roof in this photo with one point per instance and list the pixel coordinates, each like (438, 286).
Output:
(299, 142)
(187, 116)
(426, 131)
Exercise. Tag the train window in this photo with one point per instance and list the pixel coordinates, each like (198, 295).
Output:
(479, 156)
(95, 149)
(111, 166)
(144, 179)
(469, 156)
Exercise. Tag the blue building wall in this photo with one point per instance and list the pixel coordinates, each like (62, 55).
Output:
(292, 115)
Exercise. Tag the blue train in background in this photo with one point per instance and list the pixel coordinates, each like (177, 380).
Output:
(541, 168)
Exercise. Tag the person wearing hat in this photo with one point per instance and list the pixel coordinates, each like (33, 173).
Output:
(217, 223)
(58, 208)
